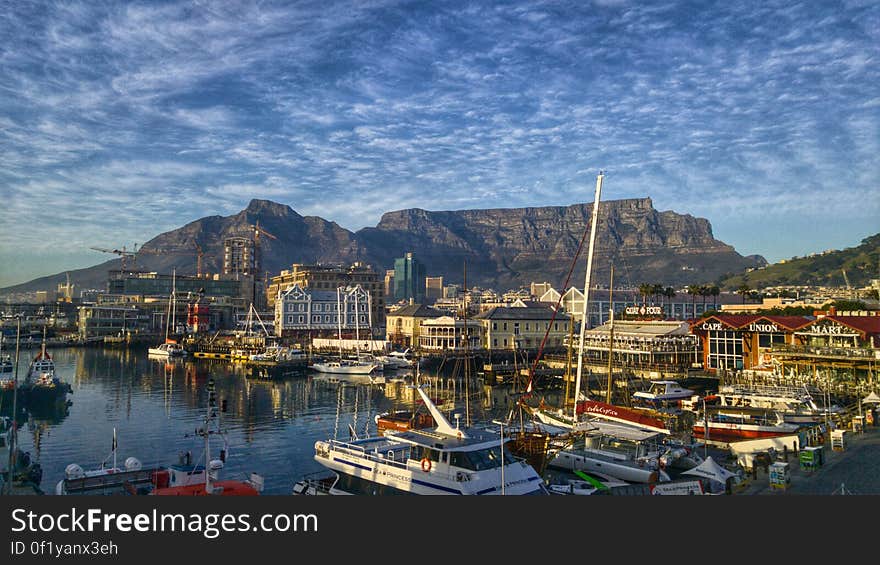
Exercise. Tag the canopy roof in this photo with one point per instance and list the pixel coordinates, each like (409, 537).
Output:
(709, 469)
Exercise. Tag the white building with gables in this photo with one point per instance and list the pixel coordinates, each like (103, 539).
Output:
(300, 311)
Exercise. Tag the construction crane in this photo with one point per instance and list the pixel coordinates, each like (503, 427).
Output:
(256, 232)
(197, 249)
(123, 253)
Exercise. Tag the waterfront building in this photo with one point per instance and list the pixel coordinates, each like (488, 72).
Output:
(523, 328)
(302, 313)
(842, 347)
(446, 334)
(409, 279)
(329, 278)
(743, 341)
(152, 284)
(404, 324)
(96, 321)
(648, 345)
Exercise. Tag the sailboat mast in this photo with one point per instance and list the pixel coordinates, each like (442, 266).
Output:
(467, 361)
(610, 336)
(585, 318)
(340, 313)
(173, 301)
(357, 328)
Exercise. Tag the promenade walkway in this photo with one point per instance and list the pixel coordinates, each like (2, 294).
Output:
(855, 470)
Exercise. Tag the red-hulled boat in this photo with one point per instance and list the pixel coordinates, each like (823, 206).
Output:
(737, 426)
(188, 479)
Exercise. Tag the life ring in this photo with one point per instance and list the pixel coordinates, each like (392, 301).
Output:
(426, 464)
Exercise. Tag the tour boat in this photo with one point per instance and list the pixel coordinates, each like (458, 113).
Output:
(443, 460)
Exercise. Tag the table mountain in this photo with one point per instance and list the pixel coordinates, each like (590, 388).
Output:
(503, 248)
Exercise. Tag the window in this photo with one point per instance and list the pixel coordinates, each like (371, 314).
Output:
(495, 342)
(327, 319)
(300, 319)
(494, 325)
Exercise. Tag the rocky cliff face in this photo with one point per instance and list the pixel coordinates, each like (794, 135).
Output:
(512, 247)
(501, 248)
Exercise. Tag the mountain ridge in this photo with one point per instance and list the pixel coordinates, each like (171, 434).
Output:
(500, 247)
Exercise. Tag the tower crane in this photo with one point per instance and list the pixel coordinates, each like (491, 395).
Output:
(123, 253)
(197, 249)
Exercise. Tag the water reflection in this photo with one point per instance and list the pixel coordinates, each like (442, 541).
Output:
(156, 405)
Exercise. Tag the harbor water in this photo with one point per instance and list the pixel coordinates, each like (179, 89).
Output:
(156, 407)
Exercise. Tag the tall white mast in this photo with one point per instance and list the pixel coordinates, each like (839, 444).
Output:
(585, 319)
(340, 313)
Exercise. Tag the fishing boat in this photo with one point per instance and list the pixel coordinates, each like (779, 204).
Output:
(737, 425)
(41, 384)
(444, 460)
(663, 391)
(189, 478)
(108, 479)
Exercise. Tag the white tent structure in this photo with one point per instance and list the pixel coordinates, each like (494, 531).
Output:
(711, 470)
(872, 398)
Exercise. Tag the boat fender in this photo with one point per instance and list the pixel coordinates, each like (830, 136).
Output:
(426, 464)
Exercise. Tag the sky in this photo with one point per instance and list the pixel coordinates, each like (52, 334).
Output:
(122, 120)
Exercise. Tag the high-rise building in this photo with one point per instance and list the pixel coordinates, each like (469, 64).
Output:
(389, 283)
(239, 257)
(433, 288)
(409, 279)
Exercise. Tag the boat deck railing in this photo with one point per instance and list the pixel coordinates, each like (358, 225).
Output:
(112, 481)
(395, 455)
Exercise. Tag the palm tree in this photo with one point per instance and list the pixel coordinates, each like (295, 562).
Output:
(714, 291)
(645, 289)
(743, 290)
(669, 293)
(694, 290)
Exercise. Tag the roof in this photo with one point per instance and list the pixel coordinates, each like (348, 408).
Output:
(500, 313)
(644, 328)
(740, 321)
(866, 324)
(417, 311)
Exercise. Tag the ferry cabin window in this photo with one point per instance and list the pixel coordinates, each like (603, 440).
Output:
(480, 460)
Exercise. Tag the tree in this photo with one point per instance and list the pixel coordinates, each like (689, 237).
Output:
(694, 290)
(669, 293)
(645, 290)
(743, 291)
(714, 291)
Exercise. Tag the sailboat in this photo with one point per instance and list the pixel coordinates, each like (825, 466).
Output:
(170, 348)
(346, 366)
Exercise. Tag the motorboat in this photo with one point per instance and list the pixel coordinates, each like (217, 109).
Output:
(107, 479)
(742, 424)
(663, 391)
(444, 460)
(797, 404)
(345, 367)
(168, 349)
(617, 450)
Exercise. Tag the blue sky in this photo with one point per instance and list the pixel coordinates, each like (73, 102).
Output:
(119, 121)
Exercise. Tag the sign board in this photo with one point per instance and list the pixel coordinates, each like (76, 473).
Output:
(678, 488)
(644, 310)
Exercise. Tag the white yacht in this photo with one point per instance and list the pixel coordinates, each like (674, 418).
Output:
(168, 349)
(345, 367)
(442, 460)
(663, 391)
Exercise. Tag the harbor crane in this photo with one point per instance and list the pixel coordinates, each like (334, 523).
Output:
(123, 253)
